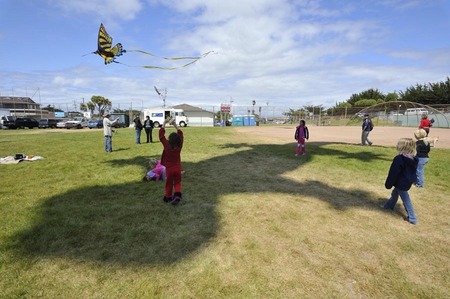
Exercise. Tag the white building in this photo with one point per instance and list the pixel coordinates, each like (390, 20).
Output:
(197, 116)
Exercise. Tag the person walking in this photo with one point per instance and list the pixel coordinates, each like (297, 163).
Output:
(402, 174)
(138, 128)
(171, 159)
(107, 131)
(301, 134)
(148, 126)
(366, 128)
(425, 124)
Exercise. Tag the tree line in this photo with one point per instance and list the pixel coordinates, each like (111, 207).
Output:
(426, 94)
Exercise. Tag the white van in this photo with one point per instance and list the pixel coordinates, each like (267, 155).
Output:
(158, 115)
(416, 111)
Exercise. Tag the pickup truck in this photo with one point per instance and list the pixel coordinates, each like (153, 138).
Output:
(21, 123)
(77, 122)
(6, 120)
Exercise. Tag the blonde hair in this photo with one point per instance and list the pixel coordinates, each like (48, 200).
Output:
(420, 134)
(153, 162)
(406, 146)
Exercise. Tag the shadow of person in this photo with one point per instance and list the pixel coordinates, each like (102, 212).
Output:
(129, 224)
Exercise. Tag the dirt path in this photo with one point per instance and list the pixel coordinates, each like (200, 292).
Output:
(385, 136)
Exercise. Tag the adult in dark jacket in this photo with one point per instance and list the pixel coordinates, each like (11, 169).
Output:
(138, 128)
(402, 174)
(366, 128)
(148, 127)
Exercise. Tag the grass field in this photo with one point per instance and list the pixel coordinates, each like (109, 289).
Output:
(255, 222)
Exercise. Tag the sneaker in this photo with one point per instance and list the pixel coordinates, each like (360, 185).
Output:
(407, 219)
(167, 199)
(176, 200)
(419, 186)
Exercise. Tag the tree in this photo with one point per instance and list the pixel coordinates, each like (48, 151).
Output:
(433, 93)
(365, 103)
(370, 94)
(51, 109)
(91, 107)
(391, 97)
(101, 103)
(83, 107)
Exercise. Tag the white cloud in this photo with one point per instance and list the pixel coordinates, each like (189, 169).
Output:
(108, 9)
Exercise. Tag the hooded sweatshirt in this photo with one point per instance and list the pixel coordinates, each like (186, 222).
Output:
(402, 173)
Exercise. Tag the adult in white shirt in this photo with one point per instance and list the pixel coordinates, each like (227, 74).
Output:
(107, 131)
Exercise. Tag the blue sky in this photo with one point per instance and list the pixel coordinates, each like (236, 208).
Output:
(281, 52)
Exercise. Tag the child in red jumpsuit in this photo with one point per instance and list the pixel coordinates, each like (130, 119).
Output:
(171, 159)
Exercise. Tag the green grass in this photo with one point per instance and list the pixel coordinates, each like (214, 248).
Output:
(255, 222)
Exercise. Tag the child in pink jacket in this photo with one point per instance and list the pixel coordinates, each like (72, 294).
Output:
(157, 172)
(301, 134)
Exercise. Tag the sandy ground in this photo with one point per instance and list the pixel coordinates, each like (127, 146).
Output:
(384, 136)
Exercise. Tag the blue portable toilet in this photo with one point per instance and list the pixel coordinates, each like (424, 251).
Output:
(238, 120)
(246, 120)
(252, 120)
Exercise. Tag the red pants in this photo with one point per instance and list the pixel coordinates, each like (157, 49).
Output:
(173, 181)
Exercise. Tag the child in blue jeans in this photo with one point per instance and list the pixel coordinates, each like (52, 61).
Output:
(422, 148)
(402, 175)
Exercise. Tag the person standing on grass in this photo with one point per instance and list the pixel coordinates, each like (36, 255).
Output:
(171, 159)
(148, 126)
(138, 128)
(107, 131)
(402, 174)
(422, 148)
(301, 134)
(366, 128)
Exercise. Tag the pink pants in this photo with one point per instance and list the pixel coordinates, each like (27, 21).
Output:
(301, 148)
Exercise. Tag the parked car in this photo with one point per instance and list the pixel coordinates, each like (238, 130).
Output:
(77, 122)
(5, 120)
(415, 111)
(95, 124)
(61, 124)
(21, 123)
(48, 123)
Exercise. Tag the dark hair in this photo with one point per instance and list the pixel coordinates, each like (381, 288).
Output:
(302, 122)
(174, 140)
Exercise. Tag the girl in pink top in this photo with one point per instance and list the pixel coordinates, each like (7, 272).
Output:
(301, 134)
(158, 171)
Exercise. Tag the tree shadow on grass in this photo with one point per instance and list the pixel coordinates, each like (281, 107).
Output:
(129, 224)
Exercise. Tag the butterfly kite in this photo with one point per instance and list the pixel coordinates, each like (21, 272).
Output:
(105, 51)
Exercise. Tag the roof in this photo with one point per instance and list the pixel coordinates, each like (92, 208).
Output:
(189, 108)
(16, 100)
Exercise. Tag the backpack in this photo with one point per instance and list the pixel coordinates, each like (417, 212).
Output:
(371, 125)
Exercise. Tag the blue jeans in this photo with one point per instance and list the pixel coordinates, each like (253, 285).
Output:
(108, 144)
(421, 171)
(138, 136)
(365, 137)
(390, 204)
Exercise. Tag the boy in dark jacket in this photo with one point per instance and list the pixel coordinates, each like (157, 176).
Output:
(402, 175)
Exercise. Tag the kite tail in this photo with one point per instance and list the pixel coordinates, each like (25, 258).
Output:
(171, 58)
(194, 60)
